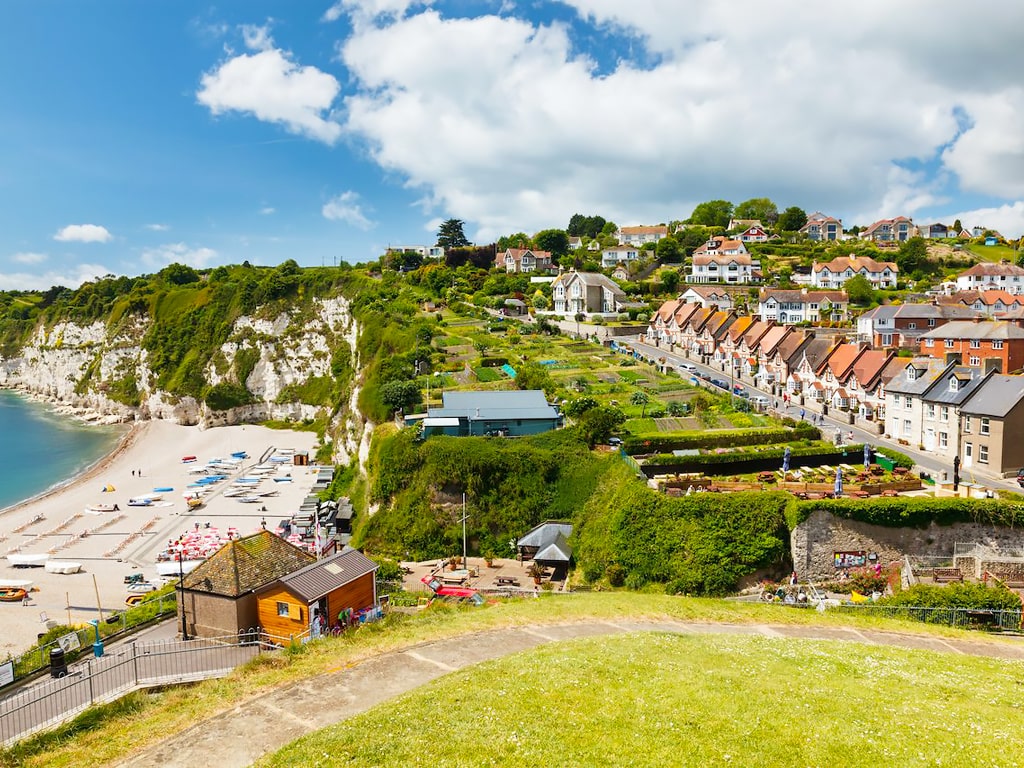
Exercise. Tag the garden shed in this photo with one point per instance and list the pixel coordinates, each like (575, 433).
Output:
(548, 546)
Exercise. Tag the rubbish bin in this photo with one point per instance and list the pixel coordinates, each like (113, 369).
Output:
(58, 667)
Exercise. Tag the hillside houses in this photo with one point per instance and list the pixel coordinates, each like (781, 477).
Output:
(802, 306)
(983, 277)
(524, 260)
(833, 274)
(640, 235)
(994, 344)
(896, 230)
(820, 227)
(586, 293)
(619, 254)
(899, 326)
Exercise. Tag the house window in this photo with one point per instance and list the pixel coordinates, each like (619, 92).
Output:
(943, 440)
(954, 384)
(967, 425)
(974, 360)
(906, 427)
(912, 326)
(950, 343)
(997, 344)
(975, 343)
(930, 410)
(983, 427)
(944, 413)
(282, 609)
(983, 454)
(931, 322)
(886, 339)
(929, 342)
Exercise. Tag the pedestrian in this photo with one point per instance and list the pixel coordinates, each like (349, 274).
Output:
(802, 412)
(133, 473)
(24, 600)
(793, 579)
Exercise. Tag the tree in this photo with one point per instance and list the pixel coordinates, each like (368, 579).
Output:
(535, 376)
(518, 240)
(399, 395)
(913, 255)
(640, 398)
(713, 213)
(668, 250)
(958, 226)
(179, 274)
(670, 280)
(451, 234)
(556, 241)
(578, 406)
(792, 219)
(597, 424)
(758, 208)
(860, 290)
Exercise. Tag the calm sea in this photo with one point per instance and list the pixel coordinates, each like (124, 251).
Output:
(40, 448)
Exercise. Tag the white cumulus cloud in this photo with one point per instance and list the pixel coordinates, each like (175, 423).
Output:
(516, 127)
(345, 207)
(72, 277)
(1007, 219)
(272, 87)
(161, 256)
(158, 227)
(267, 210)
(83, 233)
(29, 258)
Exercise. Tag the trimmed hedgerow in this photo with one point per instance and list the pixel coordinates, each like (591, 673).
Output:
(723, 439)
(900, 512)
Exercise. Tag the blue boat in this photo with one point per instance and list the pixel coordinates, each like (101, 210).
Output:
(162, 490)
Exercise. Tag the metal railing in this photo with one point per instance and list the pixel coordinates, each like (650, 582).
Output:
(39, 706)
(967, 618)
(37, 658)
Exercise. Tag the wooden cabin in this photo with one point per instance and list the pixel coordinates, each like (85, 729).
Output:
(342, 584)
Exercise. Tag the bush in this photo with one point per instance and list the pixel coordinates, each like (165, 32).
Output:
(966, 595)
(904, 512)
(616, 575)
(724, 439)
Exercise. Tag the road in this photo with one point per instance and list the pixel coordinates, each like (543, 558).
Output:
(924, 462)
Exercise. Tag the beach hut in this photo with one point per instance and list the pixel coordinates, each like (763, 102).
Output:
(343, 583)
(300, 459)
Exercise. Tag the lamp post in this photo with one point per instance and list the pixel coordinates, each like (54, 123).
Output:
(465, 562)
(181, 589)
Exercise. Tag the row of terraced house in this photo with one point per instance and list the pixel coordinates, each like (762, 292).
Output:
(956, 397)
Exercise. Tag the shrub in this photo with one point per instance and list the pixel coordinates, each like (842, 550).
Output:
(616, 575)
(966, 595)
(904, 512)
(730, 438)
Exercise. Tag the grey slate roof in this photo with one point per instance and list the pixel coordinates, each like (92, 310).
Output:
(504, 404)
(928, 370)
(815, 351)
(968, 329)
(997, 396)
(940, 393)
(246, 564)
(551, 540)
(324, 576)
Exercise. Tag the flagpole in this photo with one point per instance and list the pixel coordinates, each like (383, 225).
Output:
(465, 562)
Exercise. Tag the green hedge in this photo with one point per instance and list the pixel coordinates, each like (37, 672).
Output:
(901, 512)
(724, 439)
(971, 596)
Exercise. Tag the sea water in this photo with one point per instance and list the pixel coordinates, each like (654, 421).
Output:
(40, 449)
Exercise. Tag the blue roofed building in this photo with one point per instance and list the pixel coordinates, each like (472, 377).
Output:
(511, 413)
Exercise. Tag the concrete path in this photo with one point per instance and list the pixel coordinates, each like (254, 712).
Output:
(247, 732)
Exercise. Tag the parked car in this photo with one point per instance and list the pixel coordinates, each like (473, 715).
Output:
(687, 367)
(720, 383)
(759, 401)
(1020, 477)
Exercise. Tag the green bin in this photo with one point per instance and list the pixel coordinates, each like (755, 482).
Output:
(884, 462)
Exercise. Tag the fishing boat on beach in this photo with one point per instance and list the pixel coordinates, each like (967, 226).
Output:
(188, 459)
(140, 501)
(12, 595)
(15, 584)
(62, 566)
(98, 508)
(19, 560)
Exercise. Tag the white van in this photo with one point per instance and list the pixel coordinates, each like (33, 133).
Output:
(760, 402)
(687, 367)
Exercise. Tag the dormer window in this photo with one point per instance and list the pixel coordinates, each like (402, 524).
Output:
(954, 384)
(911, 373)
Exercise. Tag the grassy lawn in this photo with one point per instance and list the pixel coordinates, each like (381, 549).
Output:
(103, 737)
(692, 700)
(993, 252)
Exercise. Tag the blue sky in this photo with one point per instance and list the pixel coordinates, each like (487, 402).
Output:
(134, 134)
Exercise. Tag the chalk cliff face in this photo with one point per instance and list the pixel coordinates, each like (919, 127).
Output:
(87, 369)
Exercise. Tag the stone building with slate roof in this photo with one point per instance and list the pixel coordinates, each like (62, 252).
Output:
(344, 583)
(218, 597)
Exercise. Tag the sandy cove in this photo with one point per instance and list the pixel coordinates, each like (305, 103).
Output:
(111, 545)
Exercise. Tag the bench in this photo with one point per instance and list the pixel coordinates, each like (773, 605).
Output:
(941, 575)
(510, 581)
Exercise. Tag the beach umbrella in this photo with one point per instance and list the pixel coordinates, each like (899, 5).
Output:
(108, 488)
(867, 455)
(785, 460)
(839, 481)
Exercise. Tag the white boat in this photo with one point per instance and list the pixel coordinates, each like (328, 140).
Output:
(234, 493)
(27, 561)
(249, 499)
(101, 508)
(142, 587)
(169, 568)
(15, 583)
(141, 501)
(62, 566)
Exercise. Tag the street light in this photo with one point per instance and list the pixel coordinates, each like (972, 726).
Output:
(181, 589)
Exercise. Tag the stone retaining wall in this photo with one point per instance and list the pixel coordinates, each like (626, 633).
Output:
(815, 541)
